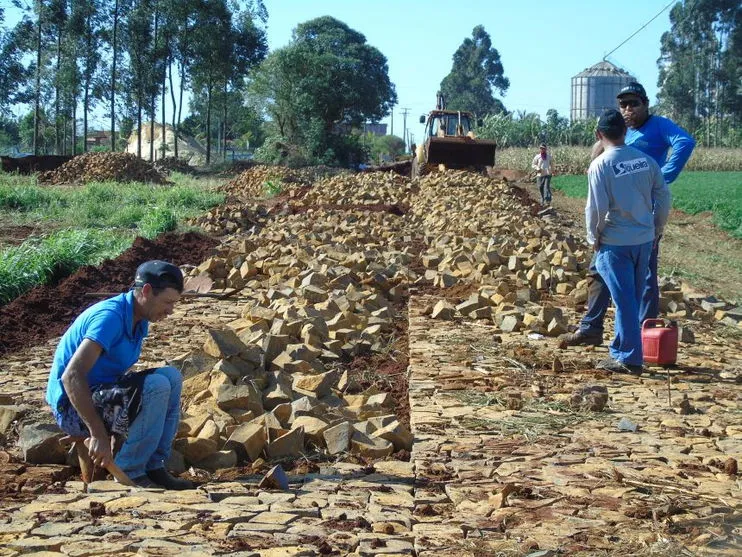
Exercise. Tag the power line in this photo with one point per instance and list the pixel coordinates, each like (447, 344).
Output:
(640, 28)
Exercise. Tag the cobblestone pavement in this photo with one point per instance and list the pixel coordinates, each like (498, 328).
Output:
(520, 448)
(508, 460)
(502, 465)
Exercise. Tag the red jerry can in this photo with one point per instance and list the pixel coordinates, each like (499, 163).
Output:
(660, 342)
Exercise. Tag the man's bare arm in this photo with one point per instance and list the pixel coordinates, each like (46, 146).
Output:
(75, 381)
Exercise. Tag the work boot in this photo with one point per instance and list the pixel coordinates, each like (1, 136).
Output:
(614, 366)
(145, 482)
(580, 338)
(165, 479)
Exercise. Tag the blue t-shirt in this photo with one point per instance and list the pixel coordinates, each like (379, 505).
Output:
(655, 138)
(108, 324)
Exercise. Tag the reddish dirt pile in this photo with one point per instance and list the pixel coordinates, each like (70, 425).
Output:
(170, 164)
(388, 372)
(90, 167)
(46, 311)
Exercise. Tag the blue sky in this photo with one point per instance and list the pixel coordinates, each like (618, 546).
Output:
(542, 43)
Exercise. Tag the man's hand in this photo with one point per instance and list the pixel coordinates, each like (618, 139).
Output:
(99, 449)
(657, 242)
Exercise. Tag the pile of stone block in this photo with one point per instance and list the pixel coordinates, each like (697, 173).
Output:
(276, 394)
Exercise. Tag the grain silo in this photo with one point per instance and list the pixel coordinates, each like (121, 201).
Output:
(595, 89)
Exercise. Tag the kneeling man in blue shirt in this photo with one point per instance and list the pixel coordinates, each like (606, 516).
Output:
(93, 394)
(628, 203)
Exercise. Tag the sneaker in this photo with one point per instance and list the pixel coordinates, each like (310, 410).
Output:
(580, 338)
(165, 479)
(614, 366)
(145, 482)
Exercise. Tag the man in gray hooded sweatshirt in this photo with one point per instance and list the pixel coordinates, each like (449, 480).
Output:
(628, 203)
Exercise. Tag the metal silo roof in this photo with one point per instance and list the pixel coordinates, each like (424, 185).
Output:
(603, 68)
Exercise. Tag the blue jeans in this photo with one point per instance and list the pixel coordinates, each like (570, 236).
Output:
(151, 435)
(624, 270)
(599, 297)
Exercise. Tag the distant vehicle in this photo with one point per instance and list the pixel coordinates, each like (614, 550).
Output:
(451, 143)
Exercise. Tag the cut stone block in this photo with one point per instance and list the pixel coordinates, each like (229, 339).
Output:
(290, 444)
(223, 343)
(337, 438)
(248, 440)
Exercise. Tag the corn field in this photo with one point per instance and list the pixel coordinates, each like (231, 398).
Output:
(575, 160)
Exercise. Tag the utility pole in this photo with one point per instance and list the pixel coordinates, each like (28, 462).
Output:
(392, 114)
(405, 111)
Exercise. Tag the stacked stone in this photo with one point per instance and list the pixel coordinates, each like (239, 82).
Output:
(386, 188)
(268, 389)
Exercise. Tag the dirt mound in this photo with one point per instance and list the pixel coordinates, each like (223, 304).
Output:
(173, 164)
(46, 311)
(90, 167)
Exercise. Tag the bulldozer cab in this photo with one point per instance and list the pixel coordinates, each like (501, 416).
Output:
(450, 141)
(442, 124)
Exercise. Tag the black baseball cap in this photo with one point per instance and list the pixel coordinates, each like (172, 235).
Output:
(159, 274)
(633, 88)
(611, 121)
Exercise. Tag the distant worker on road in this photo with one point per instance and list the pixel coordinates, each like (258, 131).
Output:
(654, 136)
(542, 164)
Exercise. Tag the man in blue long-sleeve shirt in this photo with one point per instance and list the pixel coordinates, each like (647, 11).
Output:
(655, 136)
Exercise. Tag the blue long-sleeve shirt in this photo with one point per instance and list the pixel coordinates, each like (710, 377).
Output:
(655, 138)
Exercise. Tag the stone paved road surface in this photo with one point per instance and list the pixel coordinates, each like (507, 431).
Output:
(519, 448)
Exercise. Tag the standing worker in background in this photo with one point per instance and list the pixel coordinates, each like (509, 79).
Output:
(94, 395)
(626, 210)
(542, 165)
(654, 136)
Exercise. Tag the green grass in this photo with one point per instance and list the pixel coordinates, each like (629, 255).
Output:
(90, 223)
(101, 204)
(692, 193)
(43, 260)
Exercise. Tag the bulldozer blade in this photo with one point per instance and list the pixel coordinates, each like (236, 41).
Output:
(461, 152)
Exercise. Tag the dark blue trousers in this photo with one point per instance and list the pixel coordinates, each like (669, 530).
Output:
(624, 270)
(599, 297)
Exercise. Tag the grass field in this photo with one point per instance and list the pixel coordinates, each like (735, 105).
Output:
(82, 225)
(692, 193)
(575, 160)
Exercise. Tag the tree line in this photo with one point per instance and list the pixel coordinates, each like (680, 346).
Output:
(700, 66)
(68, 57)
(305, 102)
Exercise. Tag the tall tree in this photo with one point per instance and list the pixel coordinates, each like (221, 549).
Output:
(226, 45)
(14, 76)
(326, 79)
(86, 21)
(476, 70)
(211, 55)
(701, 67)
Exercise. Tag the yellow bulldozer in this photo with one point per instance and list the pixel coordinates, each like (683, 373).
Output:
(450, 143)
